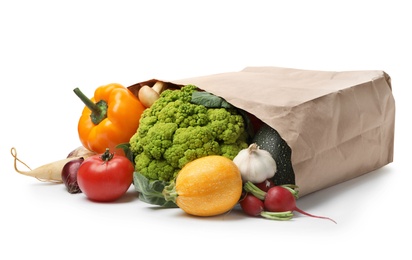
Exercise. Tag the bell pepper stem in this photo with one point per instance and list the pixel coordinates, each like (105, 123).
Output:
(99, 109)
(92, 106)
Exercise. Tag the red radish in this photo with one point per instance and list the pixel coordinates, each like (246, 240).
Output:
(280, 199)
(265, 185)
(251, 205)
(254, 207)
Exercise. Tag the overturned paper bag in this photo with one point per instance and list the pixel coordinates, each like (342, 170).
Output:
(339, 125)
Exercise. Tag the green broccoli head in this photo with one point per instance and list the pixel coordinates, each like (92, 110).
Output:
(189, 144)
(174, 131)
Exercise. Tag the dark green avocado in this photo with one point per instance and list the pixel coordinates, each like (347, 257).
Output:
(269, 139)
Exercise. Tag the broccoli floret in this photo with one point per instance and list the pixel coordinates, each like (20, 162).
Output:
(191, 143)
(231, 150)
(226, 125)
(174, 131)
(154, 169)
(158, 139)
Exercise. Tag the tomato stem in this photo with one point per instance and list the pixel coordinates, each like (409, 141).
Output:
(107, 155)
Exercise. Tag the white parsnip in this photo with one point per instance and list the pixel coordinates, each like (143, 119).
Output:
(50, 172)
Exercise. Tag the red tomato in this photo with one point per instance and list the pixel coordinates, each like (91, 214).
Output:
(105, 177)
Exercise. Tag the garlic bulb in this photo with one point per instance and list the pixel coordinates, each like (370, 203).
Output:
(255, 165)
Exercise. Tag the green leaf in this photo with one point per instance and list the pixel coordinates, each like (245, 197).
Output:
(209, 100)
(126, 149)
(151, 191)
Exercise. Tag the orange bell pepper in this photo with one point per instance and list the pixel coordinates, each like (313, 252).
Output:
(109, 118)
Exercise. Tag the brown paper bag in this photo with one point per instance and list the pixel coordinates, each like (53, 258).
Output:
(339, 125)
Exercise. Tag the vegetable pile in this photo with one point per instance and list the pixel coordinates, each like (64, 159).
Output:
(179, 147)
(175, 131)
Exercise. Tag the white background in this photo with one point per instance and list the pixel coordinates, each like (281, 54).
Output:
(47, 48)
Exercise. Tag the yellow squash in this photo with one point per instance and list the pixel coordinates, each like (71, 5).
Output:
(208, 186)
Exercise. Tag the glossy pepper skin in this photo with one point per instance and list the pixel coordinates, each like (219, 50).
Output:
(109, 118)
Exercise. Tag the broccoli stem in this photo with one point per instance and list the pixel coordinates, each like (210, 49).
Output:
(169, 192)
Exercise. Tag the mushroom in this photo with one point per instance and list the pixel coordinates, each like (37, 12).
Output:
(148, 95)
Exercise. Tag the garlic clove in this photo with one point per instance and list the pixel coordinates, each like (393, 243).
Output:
(255, 165)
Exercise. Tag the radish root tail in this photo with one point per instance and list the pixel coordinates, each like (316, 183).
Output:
(314, 216)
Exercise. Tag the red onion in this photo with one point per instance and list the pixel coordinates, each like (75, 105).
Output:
(69, 175)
